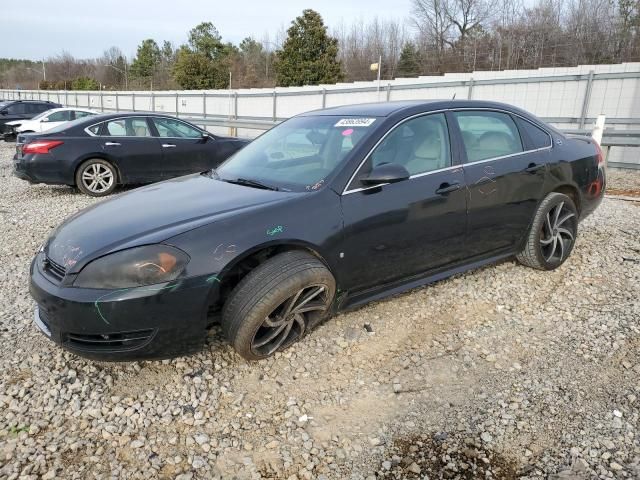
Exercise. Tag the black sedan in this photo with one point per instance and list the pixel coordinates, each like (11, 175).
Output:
(327, 211)
(97, 153)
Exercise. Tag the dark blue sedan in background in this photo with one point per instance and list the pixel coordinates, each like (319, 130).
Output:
(98, 153)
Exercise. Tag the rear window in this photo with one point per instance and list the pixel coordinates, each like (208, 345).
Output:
(488, 134)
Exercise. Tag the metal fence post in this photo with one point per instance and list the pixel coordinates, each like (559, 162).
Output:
(388, 92)
(88, 99)
(133, 101)
(470, 94)
(101, 101)
(177, 110)
(76, 99)
(324, 98)
(66, 98)
(275, 105)
(235, 113)
(204, 104)
(117, 104)
(585, 100)
(153, 101)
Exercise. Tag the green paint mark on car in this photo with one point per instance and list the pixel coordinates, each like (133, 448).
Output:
(273, 231)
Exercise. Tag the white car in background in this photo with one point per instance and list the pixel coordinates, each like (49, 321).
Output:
(47, 120)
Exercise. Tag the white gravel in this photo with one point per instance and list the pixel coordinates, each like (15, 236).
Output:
(503, 372)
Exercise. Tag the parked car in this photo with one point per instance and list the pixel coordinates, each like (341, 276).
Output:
(45, 121)
(325, 212)
(100, 152)
(21, 110)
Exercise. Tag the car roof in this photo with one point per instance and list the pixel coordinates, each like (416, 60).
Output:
(61, 109)
(385, 109)
(32, 101)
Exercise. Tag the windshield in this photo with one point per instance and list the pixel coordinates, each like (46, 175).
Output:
(40, 115)
(298, 154)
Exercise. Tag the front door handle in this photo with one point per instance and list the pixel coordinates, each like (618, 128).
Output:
(111, 144)
(168, 145)
(447, 188)
(534, 167)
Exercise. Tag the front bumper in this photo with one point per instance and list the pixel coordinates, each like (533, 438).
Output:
(153, 322)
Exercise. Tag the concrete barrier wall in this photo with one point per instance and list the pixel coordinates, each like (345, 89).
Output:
(566, 97)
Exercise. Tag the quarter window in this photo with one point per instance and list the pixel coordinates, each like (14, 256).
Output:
(169, 128)
(420, 145)
(488, 134)
(128, 127)
(538, 137)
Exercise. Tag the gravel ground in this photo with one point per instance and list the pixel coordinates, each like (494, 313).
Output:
(504, 372)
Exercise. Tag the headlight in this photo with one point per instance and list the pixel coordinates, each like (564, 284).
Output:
(133, 268)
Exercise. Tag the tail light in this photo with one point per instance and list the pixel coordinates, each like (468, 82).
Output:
(599, 155)
(40, 146)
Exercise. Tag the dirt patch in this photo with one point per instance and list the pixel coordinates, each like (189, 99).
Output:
(440, 456)
(623, 192)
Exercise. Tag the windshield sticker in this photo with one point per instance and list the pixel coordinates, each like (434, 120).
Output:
(316, 185)
(272, 231)
(355, 122)
(347, 132)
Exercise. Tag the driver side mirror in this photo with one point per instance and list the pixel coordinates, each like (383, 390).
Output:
(45, 119)
(206, 136)
(386, 173)
(4, 112)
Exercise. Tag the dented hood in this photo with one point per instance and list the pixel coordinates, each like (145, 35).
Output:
(151, 214)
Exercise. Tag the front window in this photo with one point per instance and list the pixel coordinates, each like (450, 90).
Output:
(298, 154)
(169, 128)
(61, 116)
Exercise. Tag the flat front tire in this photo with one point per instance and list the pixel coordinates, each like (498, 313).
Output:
(552, 235)
(277, 303)
(96, 177)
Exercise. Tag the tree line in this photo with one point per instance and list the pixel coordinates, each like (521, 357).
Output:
(438, 36)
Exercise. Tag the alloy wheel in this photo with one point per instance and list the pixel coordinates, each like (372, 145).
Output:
(97, 178)
(288, 322)
(557, 235)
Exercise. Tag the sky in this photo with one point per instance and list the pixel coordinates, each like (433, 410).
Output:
(87, 28)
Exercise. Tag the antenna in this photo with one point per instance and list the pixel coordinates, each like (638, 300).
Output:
(454, 96)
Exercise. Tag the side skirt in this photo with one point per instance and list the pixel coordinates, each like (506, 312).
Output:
(352, 301)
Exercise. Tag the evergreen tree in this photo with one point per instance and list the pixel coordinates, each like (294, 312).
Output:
(205, 62)
(147, 59)
(309, 55)
(409, 63)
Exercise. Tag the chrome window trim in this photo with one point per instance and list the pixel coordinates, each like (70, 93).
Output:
(417, 175)
(355, 190)
(86, 129)
(509, 113)
(111, 120)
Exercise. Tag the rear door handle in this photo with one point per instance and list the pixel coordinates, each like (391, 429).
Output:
(111, 144)
(533, 167)
(447, 188)
(168, 145)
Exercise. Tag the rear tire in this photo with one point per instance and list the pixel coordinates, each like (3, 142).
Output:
(552, 235)
(277, 303)
(96, 177)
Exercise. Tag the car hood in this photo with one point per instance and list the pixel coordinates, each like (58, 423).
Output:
(151, 214)
(16, 122)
